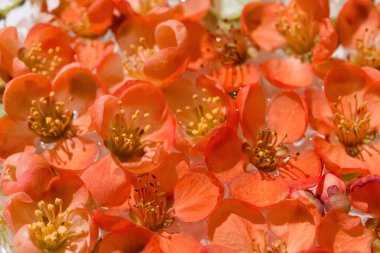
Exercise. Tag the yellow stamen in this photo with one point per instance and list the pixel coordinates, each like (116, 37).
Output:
(368, 49)
(148, 5)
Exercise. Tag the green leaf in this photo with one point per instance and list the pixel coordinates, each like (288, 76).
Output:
(348, 177)
(2, 112)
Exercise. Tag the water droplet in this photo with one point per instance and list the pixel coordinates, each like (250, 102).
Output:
(47, 146)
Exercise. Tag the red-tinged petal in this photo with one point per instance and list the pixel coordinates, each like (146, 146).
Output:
(321, 115)
(328, 41)
(70, 189)
(352, 16)
(178, 242)
(20, 92)
(25, 172)
(91, 52)
(76, 83)
(174, 168)
(195, 10)
(267, 190)
(252, 105)
(132, 240)
(303, 171)
(317, 250)
(371, 157)
(235, 77)
(343, 80)
(19, 211)
(108, 184)
(235, 225)
(336, 159)
(72, 155)
(216, 249)
(322, 68)
(195, 196)
(225, 143)
(111, 70)
(100, 16)
(103, 112)
(14, 136)
(258, 20)
(9, 46)
(341, 232)
(288, 115)
(291, 221)
(364, 194)
(50, 37)
(288, 73)
(372, 97)
(318, 9)
(110, 220)
(23, 241)
(372, 73)
(171, 33)
(328, 180)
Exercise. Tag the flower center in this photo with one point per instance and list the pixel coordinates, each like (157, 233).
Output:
(229, 46)
(50, 120)
(151, 204)
(135, 60)
(279, 246)
(268, 153)
(299, 30)
(353, 125)
(53, 228)
(42, 61)
(126, 139)
(206, 113)
(148, 5)
(368, 49)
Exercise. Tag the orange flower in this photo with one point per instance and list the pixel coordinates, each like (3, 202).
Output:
(135, 125)
(53, 114)
(341, 232)
(157, 53)
(240, 227)
(85, 18)
(302, 29)
(91, 52)
(200, 109)
(25, 172)
(347, 114)
(265, 163)
(196, 195)
(56, 222)
(46, 50)
(358, 28)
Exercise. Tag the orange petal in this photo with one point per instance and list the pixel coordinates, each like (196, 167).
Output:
(26, 172)
(352, 16)
(258, 20)
(110, 220)
(174, 167)
(317, 9)
(343, 80)
(195, 196)
(291, 221)
(364, 194)
(100, 16)
(20, 92)
(303, 171)
(78, 84)
(372, 97)
(326, 181)
(267, 190)
(91, 52)
(328, 40)
(23, 241)
(322, 68)
(108, 184)
(235, 225)
(178, 242)
(341, 232)
(372, 73)
(14, 136)
(102, 113)
(132, 240)
(321, 115)
(195, 10)
(371, 157)
(289, 73)
(9, 46)
(288, 115)
(111, 70)
(72, 155)
(336, 159)
(216, 249)
(251, 103)
(224, 143)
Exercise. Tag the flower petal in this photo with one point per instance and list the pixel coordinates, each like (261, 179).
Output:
(288, 115)
(341, 232)
(216, 249)
(195, 196)
(20, 92)
(328, 41)
(19, 211)
(267, 191)
(372, 97)
(364, 192)
(178, 242)
(289, 73)
(292, 222)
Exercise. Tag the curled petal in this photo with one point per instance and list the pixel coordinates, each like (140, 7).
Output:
(363, 194)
